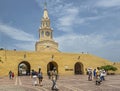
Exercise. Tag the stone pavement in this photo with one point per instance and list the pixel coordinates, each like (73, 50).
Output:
(64, 83)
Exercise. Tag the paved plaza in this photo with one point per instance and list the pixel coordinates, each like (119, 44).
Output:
(64, 83)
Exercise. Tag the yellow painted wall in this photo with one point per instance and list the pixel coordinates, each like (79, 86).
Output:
(11, 59)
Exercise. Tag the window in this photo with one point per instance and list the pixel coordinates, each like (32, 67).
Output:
(42, 33)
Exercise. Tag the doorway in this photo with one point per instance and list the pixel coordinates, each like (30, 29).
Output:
(78, 68)
(24, 68)
(51, 66)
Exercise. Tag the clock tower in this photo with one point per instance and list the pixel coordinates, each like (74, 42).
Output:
(46, 42)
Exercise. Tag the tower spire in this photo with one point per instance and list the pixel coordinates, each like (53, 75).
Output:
(45, 14)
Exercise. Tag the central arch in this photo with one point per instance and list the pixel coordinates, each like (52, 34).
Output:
(52, 65)
(24, 68)
(78, 68)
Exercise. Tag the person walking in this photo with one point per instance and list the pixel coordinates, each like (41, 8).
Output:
(90, 74)
(40, 77)
(34, 77)
(54, 79)
(34, 80)
(98, 79)
(94, 73)
(102, 75)
(10, 74)
(49, 74)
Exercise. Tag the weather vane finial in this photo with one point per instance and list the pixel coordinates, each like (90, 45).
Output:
(45, 5)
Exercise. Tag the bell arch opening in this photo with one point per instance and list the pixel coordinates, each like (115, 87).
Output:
(24, 68)
(78, 68)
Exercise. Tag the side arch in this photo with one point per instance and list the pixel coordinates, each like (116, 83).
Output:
(24, 68)
(78, 68)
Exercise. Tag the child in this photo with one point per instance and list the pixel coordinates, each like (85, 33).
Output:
(98, 80)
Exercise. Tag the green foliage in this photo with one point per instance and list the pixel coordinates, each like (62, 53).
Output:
(108, 68)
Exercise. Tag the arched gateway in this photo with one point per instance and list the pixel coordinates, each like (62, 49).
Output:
(51, 65)
(78, 68)
(24, 68)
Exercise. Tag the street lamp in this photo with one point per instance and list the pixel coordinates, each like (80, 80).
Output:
(5, 55)
(52, 58)
(78, 57)
(25, 55)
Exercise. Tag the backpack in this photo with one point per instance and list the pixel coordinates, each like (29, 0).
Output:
(40, 75)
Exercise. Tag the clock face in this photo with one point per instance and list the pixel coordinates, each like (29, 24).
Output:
(47, 33)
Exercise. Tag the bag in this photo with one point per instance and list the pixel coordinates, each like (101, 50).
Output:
(40, 76)
(12, 74)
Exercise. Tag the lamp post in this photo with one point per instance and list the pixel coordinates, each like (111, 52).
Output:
(25, 55)
(52, 58)
(78, 57)
(5, 55)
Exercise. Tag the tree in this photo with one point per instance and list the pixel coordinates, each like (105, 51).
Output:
(108, 68)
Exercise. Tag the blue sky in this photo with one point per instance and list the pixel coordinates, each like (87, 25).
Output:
(91, 26)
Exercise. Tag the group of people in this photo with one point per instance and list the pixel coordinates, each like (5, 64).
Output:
(99, 75)
(11, 74)
(38, 77)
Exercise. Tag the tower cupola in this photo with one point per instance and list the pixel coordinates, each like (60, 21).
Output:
(46, 42)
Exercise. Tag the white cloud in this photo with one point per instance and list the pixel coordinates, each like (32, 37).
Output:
(68, 19)
(108, 3)
(77, 43)
(97, 44)
(15, 33)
